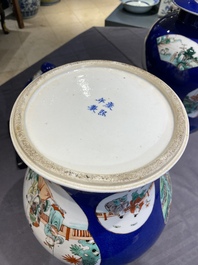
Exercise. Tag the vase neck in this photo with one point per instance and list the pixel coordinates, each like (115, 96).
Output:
(188, 18)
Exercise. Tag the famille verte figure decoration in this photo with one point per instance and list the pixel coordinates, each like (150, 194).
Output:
(171, 53)
(97, 188)
(128, 212)
(64, 238)
(166, 195)
(191, 103)
(53, 225)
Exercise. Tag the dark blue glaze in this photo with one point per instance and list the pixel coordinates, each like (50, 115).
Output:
(117, 249)
(45, 67)
(182, 82)
(190, 5)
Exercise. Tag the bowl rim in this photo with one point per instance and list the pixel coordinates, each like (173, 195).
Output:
(154, 2)
(100, 182)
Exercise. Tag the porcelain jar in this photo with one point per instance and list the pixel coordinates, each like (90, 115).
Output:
(29, 8)
(171, 53)
(99, 138)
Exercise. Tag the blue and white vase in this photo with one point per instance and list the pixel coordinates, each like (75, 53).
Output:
(171, 53)
(165, 7)
(29, 8)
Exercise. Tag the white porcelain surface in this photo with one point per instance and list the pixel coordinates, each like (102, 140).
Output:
(129, 136)
(99, 121)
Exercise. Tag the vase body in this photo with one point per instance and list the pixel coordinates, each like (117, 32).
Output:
(171, 53)
(86, 227)
(29, 8)
(165, 7)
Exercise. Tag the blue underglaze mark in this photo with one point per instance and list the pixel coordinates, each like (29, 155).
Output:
(101, 107)
(102, 112)
(101, 100)
(109, 105)
(93, 108)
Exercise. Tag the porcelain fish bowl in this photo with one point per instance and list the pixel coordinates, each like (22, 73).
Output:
(138, 6)
(99, 138)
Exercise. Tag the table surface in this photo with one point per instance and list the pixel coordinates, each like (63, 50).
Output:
(121, 17)
(178, 244)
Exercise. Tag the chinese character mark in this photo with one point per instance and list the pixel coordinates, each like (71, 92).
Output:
(101, 100)
(109, 105)
(102, 112)
(93, 108)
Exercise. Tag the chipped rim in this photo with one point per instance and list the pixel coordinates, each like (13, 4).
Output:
(100, 182)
